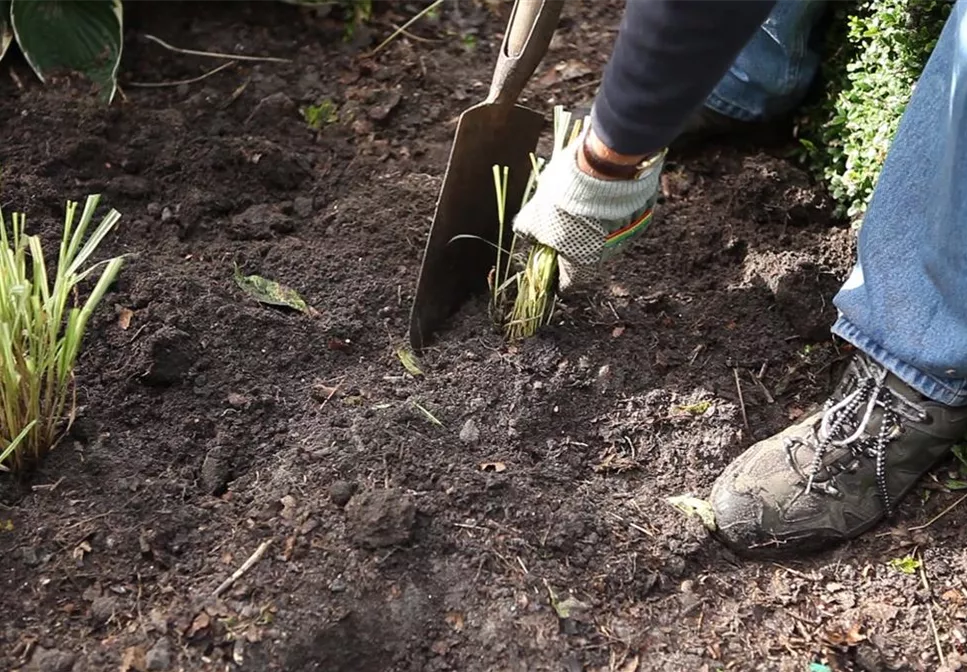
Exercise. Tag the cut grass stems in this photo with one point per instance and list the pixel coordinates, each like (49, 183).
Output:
(534, 301)
(522, 294)
(41, 331)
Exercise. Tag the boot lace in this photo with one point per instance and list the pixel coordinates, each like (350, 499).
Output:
(844, 423)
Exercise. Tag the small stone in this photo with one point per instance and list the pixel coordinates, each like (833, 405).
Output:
(216, 470)
(302, 206)
(29, 554)
(381, 518)
(153, 209)
(166, 214)
(103, 608)
(338, 585)
(159, 655)
(470, 433)
(288, 507)
(237, 400)
(51, 660)
(340, 492)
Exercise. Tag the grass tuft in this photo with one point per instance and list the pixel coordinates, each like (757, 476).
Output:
(42, 326)
(522, 290)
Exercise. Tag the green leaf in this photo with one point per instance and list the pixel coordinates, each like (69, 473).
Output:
(432, 419)
(409, 361)
(693, 506)
(955, 484)
(907, 564)
(6, 32)
(71, 36)
(960, 452)
(269, 291)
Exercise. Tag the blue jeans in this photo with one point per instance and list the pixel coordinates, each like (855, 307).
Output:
(905, 303)
(773, 72)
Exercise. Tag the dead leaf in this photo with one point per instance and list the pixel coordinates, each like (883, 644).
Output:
(619, 292)
(201, 622)
(571, 607)
(81, 549)
(133, 659)
(289, 547)
(270, 291)
(617, 331)
(409, 361)
(493, 466)
(124, 317)
(455, 620)
(850, 637)
(693, 506)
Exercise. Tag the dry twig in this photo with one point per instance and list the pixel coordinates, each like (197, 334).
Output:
(247, 565)
(738, 386)
(216, 54)
(402, 29)
(179, 82)
(938, 516)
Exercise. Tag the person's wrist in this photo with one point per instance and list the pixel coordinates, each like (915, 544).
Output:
(596, 159)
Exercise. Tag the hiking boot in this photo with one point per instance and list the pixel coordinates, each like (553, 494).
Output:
(839, 472)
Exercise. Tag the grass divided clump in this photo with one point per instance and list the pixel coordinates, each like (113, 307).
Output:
(522, 288)
(42, 324)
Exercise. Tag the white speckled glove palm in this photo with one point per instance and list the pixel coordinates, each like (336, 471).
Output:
(585, 218)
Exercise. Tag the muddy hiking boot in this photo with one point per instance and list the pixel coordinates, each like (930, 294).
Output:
(839, 472)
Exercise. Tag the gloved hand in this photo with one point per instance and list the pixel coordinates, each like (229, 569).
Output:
(585, 218)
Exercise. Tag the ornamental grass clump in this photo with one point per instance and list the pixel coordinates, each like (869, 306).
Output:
(42, 323)
(523, 300)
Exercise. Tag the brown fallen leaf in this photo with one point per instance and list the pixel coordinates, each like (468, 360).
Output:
(133, 658)
(493, 466)
(289, 547)
(455, 620)
(201, 622)
(80, 551)
(124, 317)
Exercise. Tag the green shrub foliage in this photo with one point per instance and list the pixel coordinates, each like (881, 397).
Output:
(876, 50)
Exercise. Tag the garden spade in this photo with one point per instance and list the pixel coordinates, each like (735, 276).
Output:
(461, 248)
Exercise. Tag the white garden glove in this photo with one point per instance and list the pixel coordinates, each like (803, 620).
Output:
(587, 219)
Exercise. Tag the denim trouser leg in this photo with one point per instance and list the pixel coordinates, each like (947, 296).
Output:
(905, 303)
(774, 70)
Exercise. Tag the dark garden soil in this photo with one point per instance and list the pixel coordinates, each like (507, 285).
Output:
(211, 424)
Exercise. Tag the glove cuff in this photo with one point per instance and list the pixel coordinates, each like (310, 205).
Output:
(577, 193)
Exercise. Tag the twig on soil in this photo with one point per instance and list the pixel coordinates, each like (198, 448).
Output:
(49, 487)
(179, 82)
(933, 623)
(402, 29)
(765, 390)
(216, 54)
(936, 635)
(938, 516)
(247, 565)
(738, 387)
(331, 394)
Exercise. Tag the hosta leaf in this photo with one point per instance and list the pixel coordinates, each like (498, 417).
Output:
(269, 291)
(6, 32)
(80, 36)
